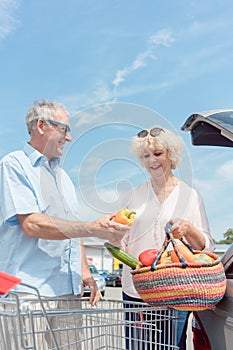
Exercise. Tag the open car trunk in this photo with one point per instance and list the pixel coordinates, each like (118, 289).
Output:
(212, 128)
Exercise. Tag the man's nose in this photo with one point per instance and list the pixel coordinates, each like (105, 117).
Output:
(68, 137)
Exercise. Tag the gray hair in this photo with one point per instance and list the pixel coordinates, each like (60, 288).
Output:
(166, 139)
(43, 109)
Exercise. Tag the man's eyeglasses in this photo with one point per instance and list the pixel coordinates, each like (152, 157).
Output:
(63, 127)
(153, 132)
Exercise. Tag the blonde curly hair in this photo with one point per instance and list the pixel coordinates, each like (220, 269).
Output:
(165, 139)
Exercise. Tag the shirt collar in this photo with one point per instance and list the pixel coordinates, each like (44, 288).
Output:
(37, 158)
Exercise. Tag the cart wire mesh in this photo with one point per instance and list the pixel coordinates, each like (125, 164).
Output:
(42, 323)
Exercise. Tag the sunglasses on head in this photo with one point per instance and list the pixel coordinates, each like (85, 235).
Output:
(152, 132)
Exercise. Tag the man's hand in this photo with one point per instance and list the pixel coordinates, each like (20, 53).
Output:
(95, 294)
(110, 230)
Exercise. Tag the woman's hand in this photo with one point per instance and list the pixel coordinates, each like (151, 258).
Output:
(184, 229)
(180, 227)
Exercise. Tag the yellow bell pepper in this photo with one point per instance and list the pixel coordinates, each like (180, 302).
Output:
(125, 217)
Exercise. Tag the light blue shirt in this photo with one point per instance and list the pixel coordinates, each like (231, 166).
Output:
(29, 185)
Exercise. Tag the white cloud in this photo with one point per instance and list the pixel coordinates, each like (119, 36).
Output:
(218, 203)
(178, 73)
(226, 171)
(95, 113)
(203, 186)
(108, 195)
(211, 26)
(8, 20)
(77, 102)
(102, 92)
(162, 38)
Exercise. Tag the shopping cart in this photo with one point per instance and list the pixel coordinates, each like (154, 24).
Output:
(41, 323)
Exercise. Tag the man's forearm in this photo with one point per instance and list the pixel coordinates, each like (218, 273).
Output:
(37, 225)
(43, 226)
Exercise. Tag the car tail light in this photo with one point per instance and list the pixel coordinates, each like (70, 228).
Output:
(200, 338)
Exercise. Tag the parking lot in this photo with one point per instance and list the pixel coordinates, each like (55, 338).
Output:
(113, 293)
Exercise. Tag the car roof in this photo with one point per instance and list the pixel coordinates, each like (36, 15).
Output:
(211, 128)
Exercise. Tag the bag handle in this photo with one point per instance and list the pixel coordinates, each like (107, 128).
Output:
(169, 239)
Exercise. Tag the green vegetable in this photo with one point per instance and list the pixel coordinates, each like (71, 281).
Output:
(121, 255)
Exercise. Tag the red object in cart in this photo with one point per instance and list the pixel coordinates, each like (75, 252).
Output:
(7, 282)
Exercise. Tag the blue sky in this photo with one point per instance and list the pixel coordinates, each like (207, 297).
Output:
(148, 61)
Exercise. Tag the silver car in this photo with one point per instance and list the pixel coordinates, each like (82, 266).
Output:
(99, 280)
(213, 329)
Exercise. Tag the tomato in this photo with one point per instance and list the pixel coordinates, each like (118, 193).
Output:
(147, 257)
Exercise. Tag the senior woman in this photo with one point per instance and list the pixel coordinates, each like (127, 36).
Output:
(162, 198)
